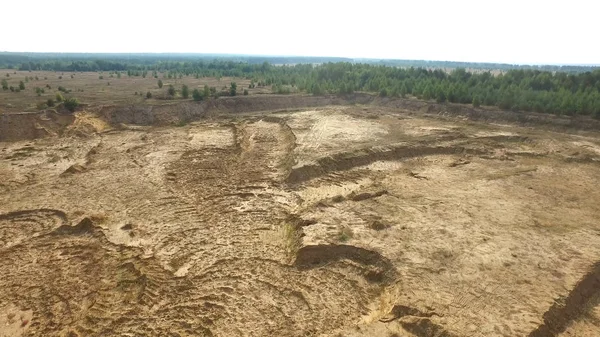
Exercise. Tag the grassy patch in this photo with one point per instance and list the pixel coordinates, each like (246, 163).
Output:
(345, 233)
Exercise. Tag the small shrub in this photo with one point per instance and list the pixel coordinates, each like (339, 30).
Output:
(171, 91)
(233, 89)
(197, 95)
(41, 106)
(185, 91)
(50, 102)
(345, 233)
(160, 83)
(21, 85)
(60, 77)
(100, 77)
(59, 97)
(245, 92)
(148, 94)
(71, 104)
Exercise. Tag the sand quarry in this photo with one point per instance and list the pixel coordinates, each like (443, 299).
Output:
(328, 220)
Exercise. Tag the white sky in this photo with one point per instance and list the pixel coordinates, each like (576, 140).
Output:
(509, 31)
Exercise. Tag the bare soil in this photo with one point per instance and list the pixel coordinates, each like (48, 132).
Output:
(297, 216)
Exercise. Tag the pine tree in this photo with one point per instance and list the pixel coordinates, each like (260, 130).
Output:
(185, 91)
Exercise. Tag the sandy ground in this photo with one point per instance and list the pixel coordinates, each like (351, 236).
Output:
(339, 221)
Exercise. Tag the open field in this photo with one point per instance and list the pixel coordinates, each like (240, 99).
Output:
(90, 89)
(296, 216)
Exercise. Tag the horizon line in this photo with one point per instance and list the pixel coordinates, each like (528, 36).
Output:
(304, 56)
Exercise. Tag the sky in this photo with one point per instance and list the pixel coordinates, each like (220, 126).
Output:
(507, 31)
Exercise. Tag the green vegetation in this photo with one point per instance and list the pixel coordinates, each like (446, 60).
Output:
(561, 90)
(197, 95)
(185, 91)
(4, 84)
(50, 102)
(233, 89)
(206, 91)
(71, 104)
(21, 85)
(160, 83)
(59, 97)
(171, 91)
(345, 233)
(148, 94)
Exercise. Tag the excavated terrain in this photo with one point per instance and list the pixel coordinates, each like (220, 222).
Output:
(334, 220)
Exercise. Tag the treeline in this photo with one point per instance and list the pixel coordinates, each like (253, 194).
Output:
(480, 66)
(517, 89)
(116, 61)
(108, 62)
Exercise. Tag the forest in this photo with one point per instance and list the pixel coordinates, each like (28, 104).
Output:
(538, 90)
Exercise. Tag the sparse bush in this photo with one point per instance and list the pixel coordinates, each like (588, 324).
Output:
(148, 94)
(185, 91)
(12, 88)
(4, 84)
(345, 233)
(21, 85)
(59, 97)
(60, 77)
(100, 77)
(197, 95)
(160, 83)
(71, 104)
(72, 76)
(245, 92)
(233, 89)
(38, 91)
(171, 91)
(48, 86)
(50, 102)
(476, 101)
(41, 106)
